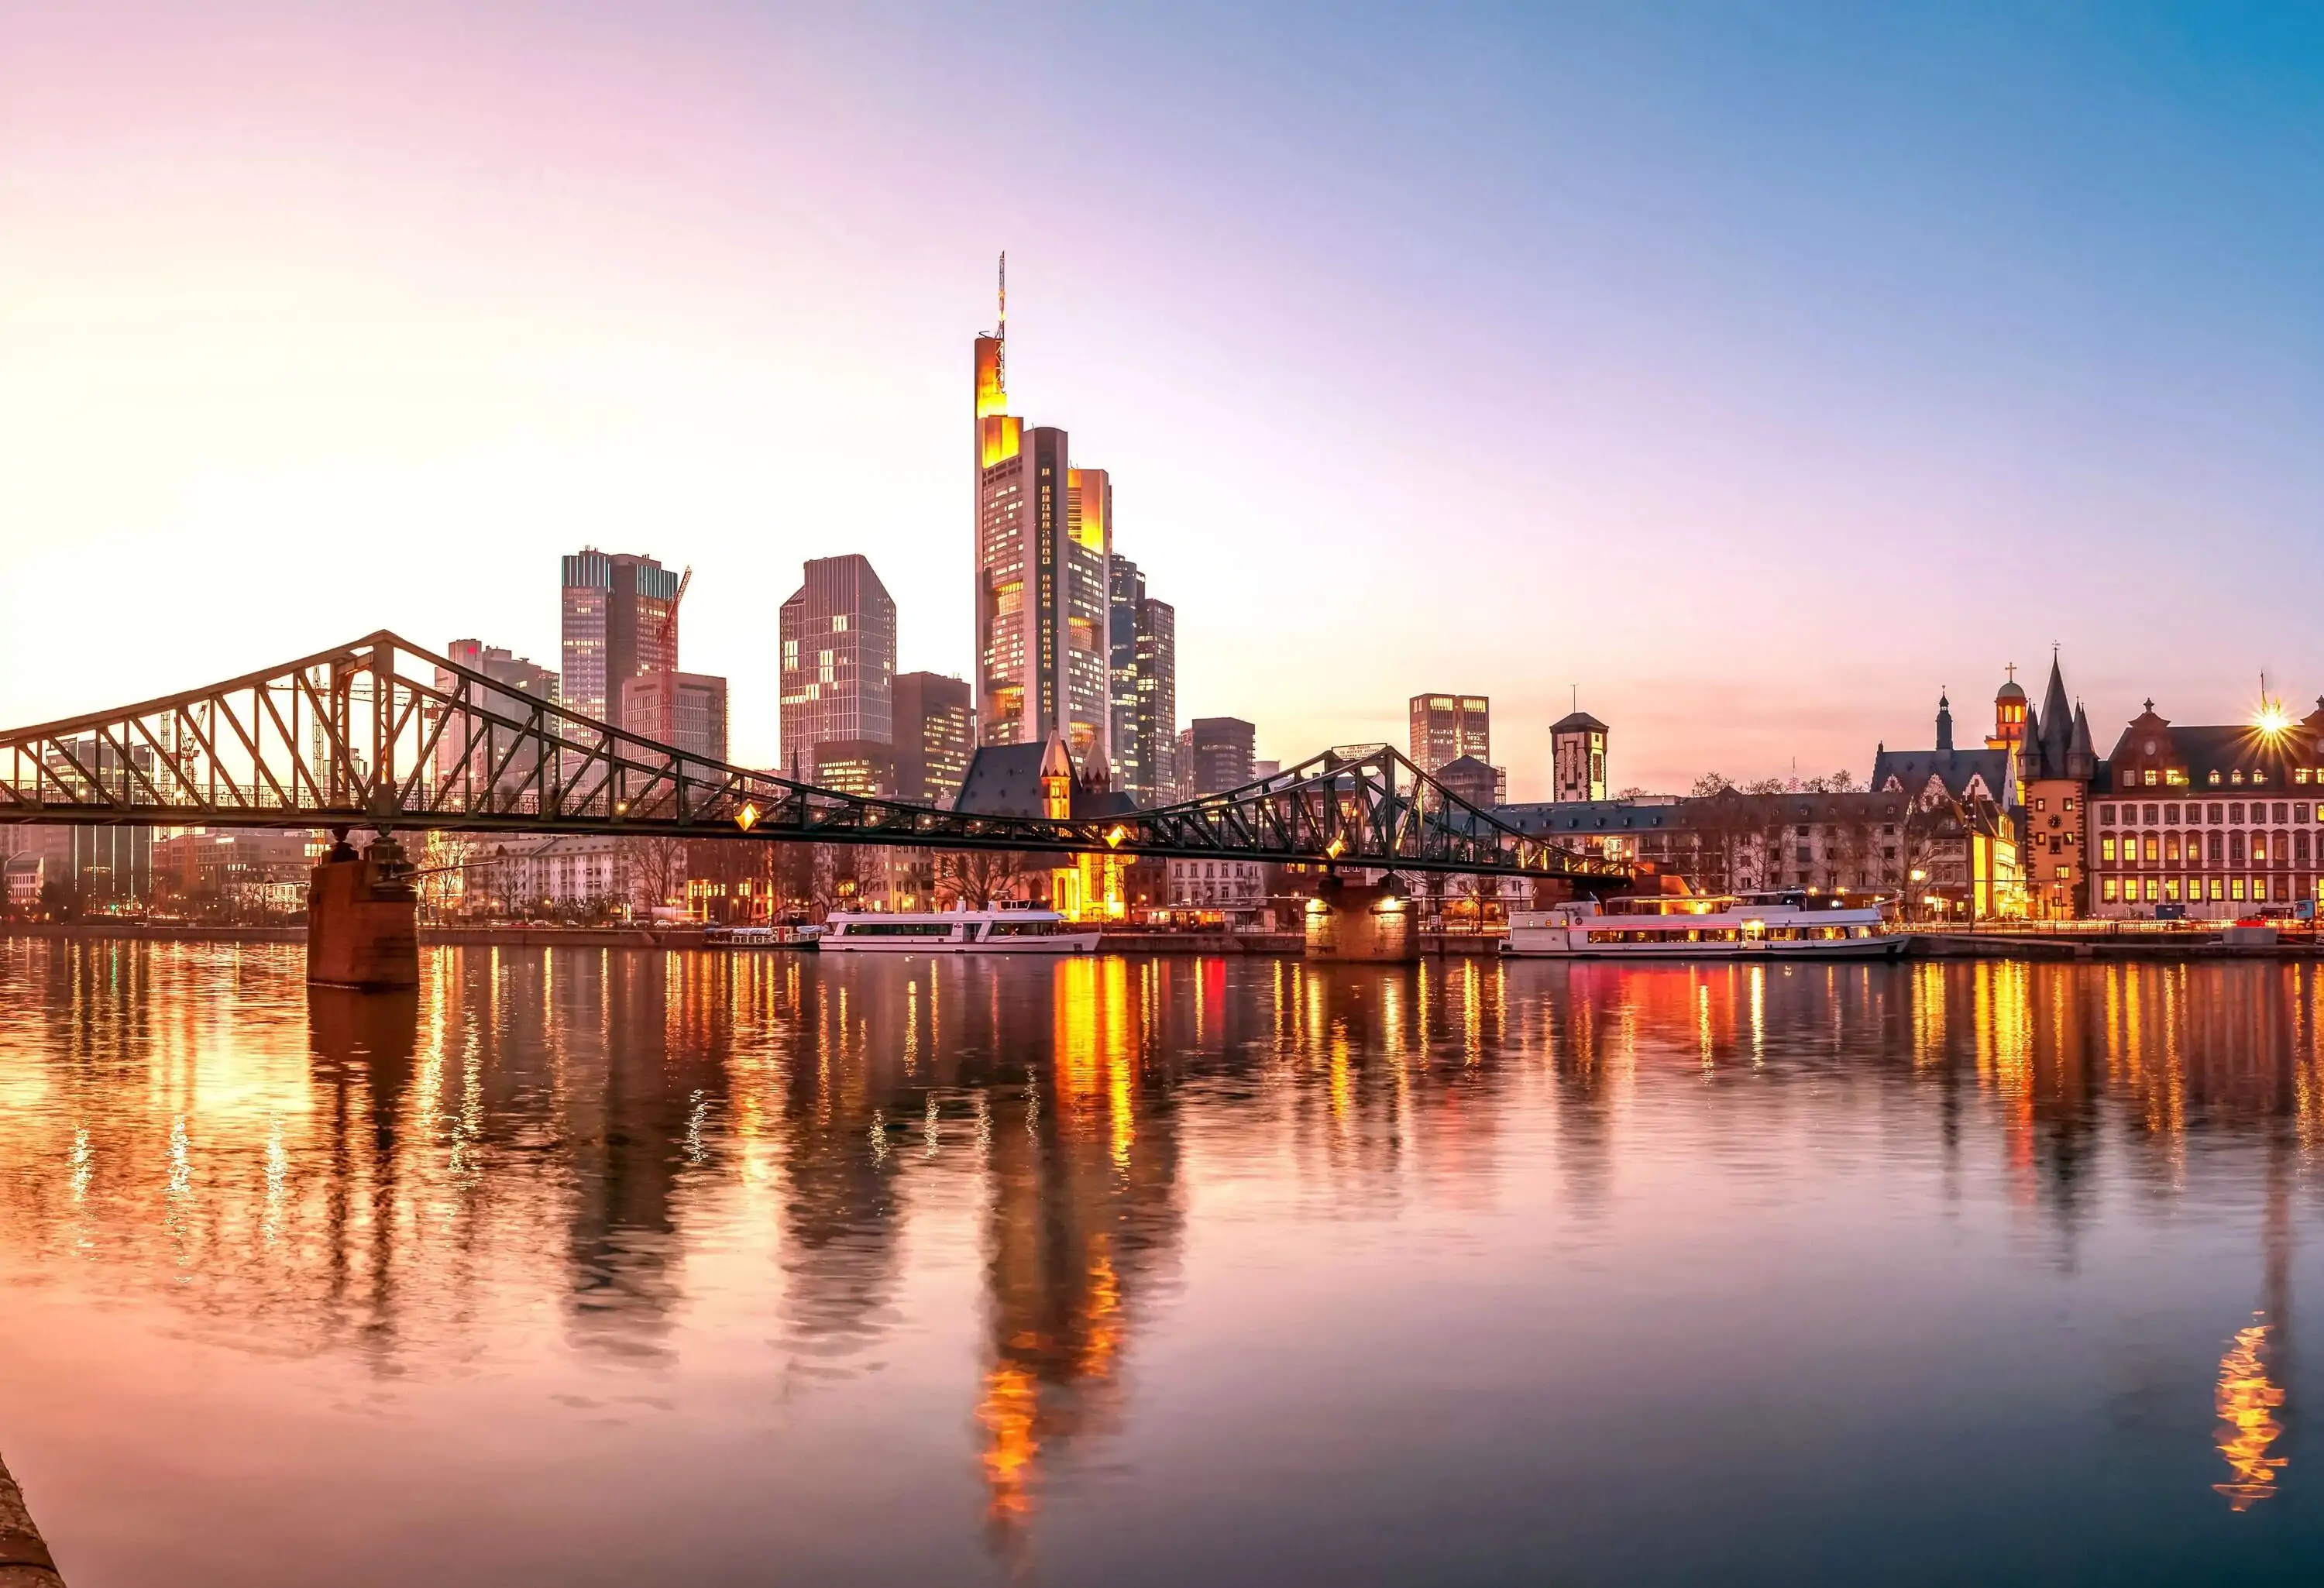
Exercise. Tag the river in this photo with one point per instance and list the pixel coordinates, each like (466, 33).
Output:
(608, 1267)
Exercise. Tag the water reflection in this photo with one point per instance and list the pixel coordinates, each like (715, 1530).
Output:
(612, 1143)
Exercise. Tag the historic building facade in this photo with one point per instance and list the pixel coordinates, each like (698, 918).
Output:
(2216, 822)
(2055, 768)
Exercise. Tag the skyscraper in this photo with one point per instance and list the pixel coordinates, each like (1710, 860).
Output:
(620, 620)
(935, 733)
(1143, 636)
(838, 634)
(462, 747)
(1156, 717)
(1217, 755)
(1044, 542)
(686, 711)
(1446, 727)
(1126, 591)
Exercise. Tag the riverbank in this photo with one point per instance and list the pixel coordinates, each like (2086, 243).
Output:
(2157, 949)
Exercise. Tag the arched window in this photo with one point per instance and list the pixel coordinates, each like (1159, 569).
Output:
(2235, 849)
(2215, 842)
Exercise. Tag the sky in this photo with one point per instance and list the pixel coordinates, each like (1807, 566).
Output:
(1747, 372)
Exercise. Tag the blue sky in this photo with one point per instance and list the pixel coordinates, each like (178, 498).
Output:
(1757, 369)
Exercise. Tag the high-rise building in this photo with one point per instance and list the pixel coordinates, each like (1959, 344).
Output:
(1044, 545)
(463, 743)
(620, 620)
(935, 735)
(686, 711)
(838, 633)
(1126, 591)
(1143, 633)
(1157, 697)
(1446, 727)
(1217, 755)
(1577, 749)
(855, 766)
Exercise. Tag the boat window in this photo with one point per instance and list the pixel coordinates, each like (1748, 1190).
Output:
(895, 929)
(1024, 929)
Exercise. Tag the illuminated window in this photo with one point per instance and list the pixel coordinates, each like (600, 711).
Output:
(2259, 887)
(2153, 891)
(2109, 891)
(2106, 851)
(2153, 848)
(2214, 777)
(2170, 888)
(2218, 888)
(2236, 889)
(2236, 776)
(2300, 774)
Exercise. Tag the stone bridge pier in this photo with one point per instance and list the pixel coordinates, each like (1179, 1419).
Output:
(363, 917)
(1363, 922)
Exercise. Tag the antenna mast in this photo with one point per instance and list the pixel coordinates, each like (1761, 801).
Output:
(1001, 334)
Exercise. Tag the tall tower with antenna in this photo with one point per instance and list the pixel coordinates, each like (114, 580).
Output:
(1044, 546)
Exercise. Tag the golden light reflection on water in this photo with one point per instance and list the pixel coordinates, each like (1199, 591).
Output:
(2247, 1402)
(603, 1140)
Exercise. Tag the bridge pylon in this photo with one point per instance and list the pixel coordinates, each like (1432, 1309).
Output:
(1369, 923)
(363, 917)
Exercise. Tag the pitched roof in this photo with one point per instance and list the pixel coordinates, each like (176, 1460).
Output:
(1005, 780)
(1954, 770)
(1578, 722)
(2219, 756)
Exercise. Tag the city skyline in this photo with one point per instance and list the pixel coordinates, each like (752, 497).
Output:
(1775, 435)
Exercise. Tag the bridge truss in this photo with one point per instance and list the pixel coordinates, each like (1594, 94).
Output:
(382, 733)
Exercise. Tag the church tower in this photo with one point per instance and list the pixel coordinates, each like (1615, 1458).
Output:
(2056, 768)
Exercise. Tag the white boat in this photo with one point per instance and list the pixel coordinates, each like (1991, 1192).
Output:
(782, 936)
(961, 931)
(1786, 925)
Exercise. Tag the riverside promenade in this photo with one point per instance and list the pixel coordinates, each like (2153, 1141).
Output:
(2138, 942)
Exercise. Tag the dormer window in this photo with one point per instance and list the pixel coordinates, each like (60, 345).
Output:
(2215, 777)
(2259, 774)
(2236, 776)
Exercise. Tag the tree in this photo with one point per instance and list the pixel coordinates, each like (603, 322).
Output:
(657, 870)
(1709, 785)
(973, 879)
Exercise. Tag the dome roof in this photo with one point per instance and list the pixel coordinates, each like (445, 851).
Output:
(2009, 691)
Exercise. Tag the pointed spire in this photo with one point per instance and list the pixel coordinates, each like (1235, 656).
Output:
(1944, 723)
(2059, 722)
(2082, 761)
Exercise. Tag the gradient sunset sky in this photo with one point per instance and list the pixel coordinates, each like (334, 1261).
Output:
(1757, 368)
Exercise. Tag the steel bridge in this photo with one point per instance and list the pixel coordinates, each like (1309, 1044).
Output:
(385, 734)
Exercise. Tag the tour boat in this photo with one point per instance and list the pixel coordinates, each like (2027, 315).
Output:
(963, 931)
(1788, 925)
(782, 936)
